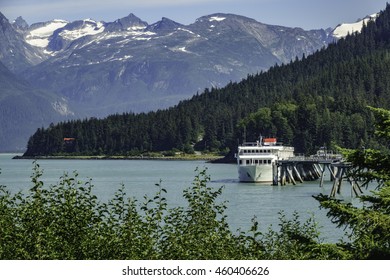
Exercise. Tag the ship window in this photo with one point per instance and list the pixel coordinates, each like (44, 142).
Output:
(269, 161)
(248, 161)
(240, 161)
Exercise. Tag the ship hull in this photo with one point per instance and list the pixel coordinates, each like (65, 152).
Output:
(255, 173)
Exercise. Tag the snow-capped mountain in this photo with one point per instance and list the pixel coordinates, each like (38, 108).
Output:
(130, 65)
(39, 34)
(342, 30)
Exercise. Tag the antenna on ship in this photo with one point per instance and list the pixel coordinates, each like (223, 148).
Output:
(260, 140)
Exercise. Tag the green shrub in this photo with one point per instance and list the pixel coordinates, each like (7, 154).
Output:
(67, 221)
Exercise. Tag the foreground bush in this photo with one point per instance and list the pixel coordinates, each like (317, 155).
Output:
(67, 221)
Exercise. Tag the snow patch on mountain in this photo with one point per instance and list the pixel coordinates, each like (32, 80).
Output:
(188, 31)
(216, 18)
(139, 35)
(180, 49)
(136, 28)
(39, 36)
(131, 34)
(344, 29)
(89, 27)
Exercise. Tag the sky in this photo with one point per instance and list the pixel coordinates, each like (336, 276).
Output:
(307, 14)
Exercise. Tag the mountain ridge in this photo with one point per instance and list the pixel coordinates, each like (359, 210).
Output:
(166, 60)
(89, 68)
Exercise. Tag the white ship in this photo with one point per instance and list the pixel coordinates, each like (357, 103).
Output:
(257, 161)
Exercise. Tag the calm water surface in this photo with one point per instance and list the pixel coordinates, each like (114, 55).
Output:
(244, 200)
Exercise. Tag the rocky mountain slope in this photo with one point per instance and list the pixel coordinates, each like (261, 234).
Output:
(23, 109)
(15, 53)
(130, 65)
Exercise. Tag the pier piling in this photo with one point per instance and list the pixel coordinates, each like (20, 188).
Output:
(298, 170)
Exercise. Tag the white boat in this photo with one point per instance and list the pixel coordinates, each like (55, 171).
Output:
(257, 161)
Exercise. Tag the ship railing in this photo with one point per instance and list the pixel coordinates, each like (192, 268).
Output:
(253, 152)
(251, 144)
(332, 158)
(259, 144)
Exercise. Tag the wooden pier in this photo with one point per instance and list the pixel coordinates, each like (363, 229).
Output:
(299, 169)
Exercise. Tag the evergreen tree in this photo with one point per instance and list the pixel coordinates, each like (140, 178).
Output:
(369, 224)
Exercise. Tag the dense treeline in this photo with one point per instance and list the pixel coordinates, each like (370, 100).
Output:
(311, 102)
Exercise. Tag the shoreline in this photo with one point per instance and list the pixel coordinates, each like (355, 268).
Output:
(208, 158)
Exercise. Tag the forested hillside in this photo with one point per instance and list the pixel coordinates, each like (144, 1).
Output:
(313, 101)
